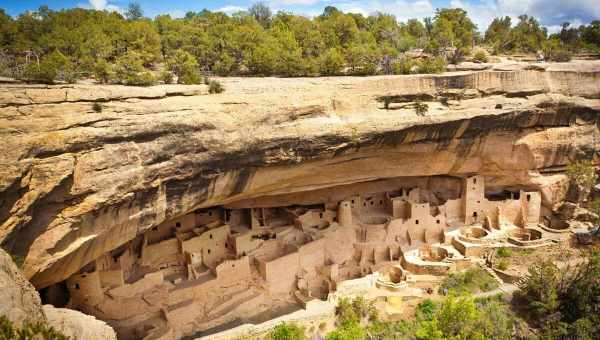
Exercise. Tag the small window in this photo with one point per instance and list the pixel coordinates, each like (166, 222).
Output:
(417, 222)
(77, 286)
(210, 236)
(320, 215)
(83, 275)
(478, 201)
(352, 201)
(528, 197)
(364, 204)
(208, 251)
(210, 213)
(372, 202)
(474, 180)
(380, 202)
(437, 221)
(232, 265)
(177, 225)
(474, 213)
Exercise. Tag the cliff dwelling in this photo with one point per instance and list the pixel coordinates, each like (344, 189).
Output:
(222, 264)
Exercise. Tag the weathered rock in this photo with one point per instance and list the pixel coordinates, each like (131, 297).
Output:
(19, 301)
(572, 211)
(76, 183)
(77, 325)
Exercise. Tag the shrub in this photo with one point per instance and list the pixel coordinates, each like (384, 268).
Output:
(103, 71)
(331, 62)
(470, 281)
(215, 87)
(480, 57)
(564, 301)
(285, 331)
(185, 67)
(502, 264)
(504, 252)
(130, 70)
(583, 175)
(54, 66)
(97, 107)
(421, 108)
(167, 77)
(402, 66)
(29, 331)
(435, 65)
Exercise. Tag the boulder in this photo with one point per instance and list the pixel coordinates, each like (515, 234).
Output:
(19, 301)
(77, 325)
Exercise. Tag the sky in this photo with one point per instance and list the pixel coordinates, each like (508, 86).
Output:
(551, 13)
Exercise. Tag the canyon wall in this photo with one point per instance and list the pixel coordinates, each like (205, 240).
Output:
(78, 179)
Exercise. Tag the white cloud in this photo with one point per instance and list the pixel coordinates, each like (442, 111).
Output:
(102, 5)
(229, 9)
(176, 14)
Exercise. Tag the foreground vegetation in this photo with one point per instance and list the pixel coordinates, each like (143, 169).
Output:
(66, 45)
(28, 331)
(553, 304)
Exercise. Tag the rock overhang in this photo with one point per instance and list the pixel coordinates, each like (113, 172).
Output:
(78, 183)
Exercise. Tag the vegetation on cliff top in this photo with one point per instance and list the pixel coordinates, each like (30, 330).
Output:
(48, 46)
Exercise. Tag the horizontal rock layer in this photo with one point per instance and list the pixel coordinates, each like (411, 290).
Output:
(77, 181)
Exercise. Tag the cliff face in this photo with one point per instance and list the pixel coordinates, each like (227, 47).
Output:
(85, 169)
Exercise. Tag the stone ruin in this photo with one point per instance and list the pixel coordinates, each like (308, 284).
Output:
(215, 266)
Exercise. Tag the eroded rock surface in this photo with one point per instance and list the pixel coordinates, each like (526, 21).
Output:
(19, 301)
(77, 325)
(77, 181)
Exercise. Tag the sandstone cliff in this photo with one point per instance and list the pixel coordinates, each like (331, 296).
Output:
(78, 179)
(20, 303)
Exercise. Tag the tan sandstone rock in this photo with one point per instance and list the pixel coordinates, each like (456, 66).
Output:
(77, 182)
(77, 325)
(19, 301)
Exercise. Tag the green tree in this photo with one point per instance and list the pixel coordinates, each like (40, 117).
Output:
(452, 28)
(130, 70)
(185, 67)
(134, 11)
(285, 331)
(54, 66)
(331, 62)
(262, 13)
(498, 34)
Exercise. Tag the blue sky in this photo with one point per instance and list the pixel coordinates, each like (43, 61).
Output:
(551, 13)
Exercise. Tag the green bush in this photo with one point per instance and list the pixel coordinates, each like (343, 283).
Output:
(469, 281)
(52, 67)
(29, 331)
(402, 66)
(502, 264)
(331, 62)
(480, 57)
(130, 70)
(504, 252)
(167, 77)
(563, 302)
(185, 67)
(215, 87)
(435, 65)
(103, 71)
(285, 331)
